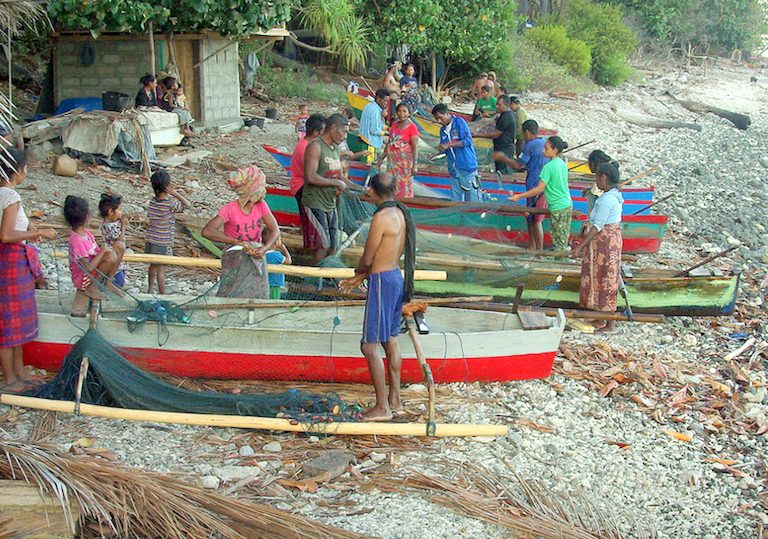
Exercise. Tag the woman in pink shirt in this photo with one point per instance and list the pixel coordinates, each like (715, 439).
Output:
(243, 266)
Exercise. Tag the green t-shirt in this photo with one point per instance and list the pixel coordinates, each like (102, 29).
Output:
(555, 176)
(323, 198)
(486, 105)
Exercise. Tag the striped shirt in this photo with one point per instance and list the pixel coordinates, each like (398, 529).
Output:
(162, 221)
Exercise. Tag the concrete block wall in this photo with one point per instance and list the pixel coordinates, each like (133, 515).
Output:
(118, 66)
(219, 84)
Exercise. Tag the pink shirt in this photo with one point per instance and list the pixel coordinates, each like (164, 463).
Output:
(297, 166)
(80, 247)
(242, 226)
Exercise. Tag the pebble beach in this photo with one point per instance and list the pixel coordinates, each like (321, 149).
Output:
(677, 447)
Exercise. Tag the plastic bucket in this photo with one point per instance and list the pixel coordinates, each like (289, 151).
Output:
(271, 114)
(115, 101)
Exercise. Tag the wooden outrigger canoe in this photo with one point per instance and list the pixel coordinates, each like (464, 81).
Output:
(318, 343)
(641, 233)
(635, 199)
(650, 291)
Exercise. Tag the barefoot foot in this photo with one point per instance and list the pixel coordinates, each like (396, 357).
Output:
(377, 413)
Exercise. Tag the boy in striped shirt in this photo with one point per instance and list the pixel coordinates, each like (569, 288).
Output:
(162, 212)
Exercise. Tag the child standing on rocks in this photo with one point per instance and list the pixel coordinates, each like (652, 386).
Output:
(162, 225)
(301, 121)
(87, 262)
(113, 232)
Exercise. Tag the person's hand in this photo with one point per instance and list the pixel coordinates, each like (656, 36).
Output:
(415, 169)
(258, 252)
(106, 248)
(441, 147)
(47, 233)
(365, 153)
(347, 285)
(498, 156)
(341, 185)
(516, 197)
(577, 251)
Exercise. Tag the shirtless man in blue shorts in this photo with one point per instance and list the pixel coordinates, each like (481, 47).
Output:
(391, 227)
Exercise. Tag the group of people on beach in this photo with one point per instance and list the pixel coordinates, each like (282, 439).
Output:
(318, 177)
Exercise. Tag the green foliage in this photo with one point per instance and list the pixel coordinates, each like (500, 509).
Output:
(570, 53)
(228, 17)
(281, 83)
(608, 38)
(346, 33)
(532, 70)
(470, 34)
(722, 24)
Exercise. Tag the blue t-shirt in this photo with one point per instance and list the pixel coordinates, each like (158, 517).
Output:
(276, 279)
(533, 160)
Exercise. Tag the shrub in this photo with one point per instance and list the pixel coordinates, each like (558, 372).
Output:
(608, 38)
(554, 41)
(612, 71)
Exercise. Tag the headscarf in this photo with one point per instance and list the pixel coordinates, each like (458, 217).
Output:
(249, 184)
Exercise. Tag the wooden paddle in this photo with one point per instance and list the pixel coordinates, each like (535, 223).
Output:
(426, 370)
(685, 273)
(633, 178)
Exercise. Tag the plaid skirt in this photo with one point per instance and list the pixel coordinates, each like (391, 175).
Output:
(600, 270)
(19, 266)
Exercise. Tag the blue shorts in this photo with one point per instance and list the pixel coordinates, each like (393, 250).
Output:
(383, 306)
(119, 279)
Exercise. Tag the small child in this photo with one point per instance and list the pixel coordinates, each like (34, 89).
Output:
(86, 260)
(162, 225)
(179, 98)
(280, 255)
(113, 232)
(301, 121)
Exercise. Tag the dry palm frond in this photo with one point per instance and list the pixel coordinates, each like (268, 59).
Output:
(128, 503)
(515, 503)
(44, 427)
(17, 13)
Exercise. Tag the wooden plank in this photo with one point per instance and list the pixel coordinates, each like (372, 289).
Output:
(26, 514)
(533, 319)
(183, 52)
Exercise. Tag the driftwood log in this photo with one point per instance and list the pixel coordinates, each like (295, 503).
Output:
(741, 121)
(652, 121)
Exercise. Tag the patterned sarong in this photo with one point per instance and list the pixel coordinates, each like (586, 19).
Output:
(243, 276)
(600, 270)
(18, 317)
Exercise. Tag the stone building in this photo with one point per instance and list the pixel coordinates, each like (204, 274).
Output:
(207, 64)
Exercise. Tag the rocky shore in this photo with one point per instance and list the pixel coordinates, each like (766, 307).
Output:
(675, 449)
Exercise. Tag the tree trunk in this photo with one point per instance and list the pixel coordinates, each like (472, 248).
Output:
(433, 64)
(544, 11)
(522, 8)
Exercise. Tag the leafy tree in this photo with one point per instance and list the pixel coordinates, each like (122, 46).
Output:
(610, 41)
(722, 24)
(554, 41)
(237, 18)
(472, 35)
(346, 33)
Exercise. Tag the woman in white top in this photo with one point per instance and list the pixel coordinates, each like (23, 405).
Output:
(19, 271)
(601, 248)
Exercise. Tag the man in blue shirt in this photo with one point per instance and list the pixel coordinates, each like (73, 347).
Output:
(532, 160)
(456, 143)
(372, 128)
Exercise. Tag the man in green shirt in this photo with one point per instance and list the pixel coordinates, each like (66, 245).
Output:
(486, 105)
(323, 180)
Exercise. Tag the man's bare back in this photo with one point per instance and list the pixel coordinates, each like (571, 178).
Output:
(388, 233)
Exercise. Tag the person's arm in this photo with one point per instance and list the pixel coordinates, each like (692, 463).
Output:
(384, 153)
(375, 236)
(502, 157)
(273, 235)
(123, 226)
(8, 233)
(492, 134)
(311, 162)
(578, 251)
(529, 193)
(213, 232)
(415, 152)
(184, 202)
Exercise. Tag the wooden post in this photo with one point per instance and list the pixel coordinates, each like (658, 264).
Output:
(150, 27)
(426, 371)
(80, 380)
(433, 63)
